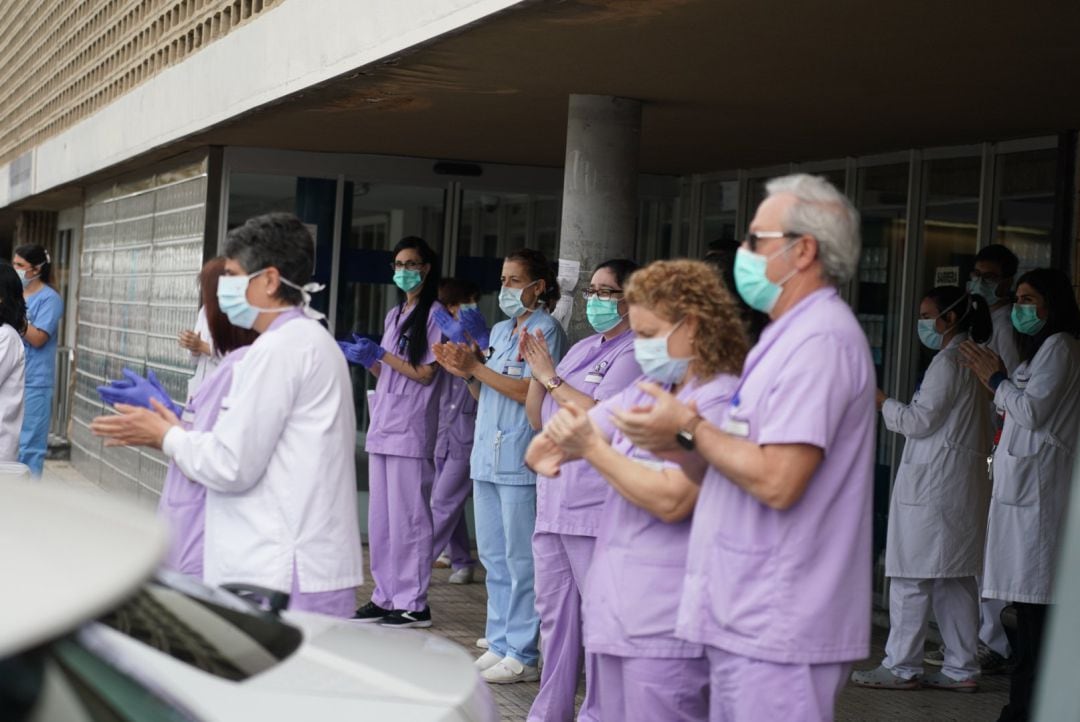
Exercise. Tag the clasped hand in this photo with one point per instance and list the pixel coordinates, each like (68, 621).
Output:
(362, 351)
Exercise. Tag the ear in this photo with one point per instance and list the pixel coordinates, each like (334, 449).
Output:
(692, 323)
(807, 252)
(273, 280)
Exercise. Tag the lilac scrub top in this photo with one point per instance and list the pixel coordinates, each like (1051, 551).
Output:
(457, 419)
(792, 586)
(183, 502)
(405, 413)
(634, 584)
(570, 502)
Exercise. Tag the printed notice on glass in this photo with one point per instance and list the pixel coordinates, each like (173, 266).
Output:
(568, 274)
(947, 276)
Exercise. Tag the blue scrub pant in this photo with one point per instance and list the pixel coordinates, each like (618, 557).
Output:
(34, 439)
(505, 519)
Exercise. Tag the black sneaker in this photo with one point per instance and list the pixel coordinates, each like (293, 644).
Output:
(404, 619)
(370, 612)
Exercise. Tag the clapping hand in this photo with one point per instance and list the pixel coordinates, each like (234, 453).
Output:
(534, 349)
(457, 358)
(134, 390)
(983, 362)
(654, 427)
(475, 325)
(362, 351)
(451, 327)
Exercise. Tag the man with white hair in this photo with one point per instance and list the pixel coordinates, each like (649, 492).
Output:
(778, 581)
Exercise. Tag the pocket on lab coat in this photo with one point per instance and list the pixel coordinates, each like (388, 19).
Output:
(919, 479)
(1018, 474)
(649, 592)
(390, 412)
(510, 452)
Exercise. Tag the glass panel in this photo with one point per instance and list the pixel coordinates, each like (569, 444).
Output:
(950, 221)
(882, 198)
(719, 206)
(252, 194)
(1024, 205)
(378, 217)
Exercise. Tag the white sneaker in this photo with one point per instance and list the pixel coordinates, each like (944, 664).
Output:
(482, 643)
(462, 576)
(509, 671)
(442, 562)
(487, 660)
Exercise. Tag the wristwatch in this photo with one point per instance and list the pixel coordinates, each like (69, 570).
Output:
(685, 436)
(553, 383)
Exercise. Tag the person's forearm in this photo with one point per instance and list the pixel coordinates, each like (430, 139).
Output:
(565, 393)
(35, 336)
(423, 374)
(534, 401)
(513, 389)
(669, 497)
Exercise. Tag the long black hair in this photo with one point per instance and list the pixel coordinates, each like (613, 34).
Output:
(972, 313)
(38, 257)
(415, 327)
(537, 266)
(1062, 313)
(12, 303)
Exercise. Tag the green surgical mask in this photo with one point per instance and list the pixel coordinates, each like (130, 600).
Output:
(407, 280)
(603, 315)
(1025, 319)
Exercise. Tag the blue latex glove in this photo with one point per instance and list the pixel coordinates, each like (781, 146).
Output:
(362, 351)
(134, 390)
(450, 326)
(475, 326)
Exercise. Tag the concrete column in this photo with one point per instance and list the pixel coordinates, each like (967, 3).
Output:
(600, 189)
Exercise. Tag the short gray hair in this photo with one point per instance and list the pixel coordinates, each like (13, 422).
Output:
(826, 214)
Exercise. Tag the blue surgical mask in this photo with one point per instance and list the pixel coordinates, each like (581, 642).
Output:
(232, 300)
(467, 307)
(929, 335)
(655, 362)
(1025, 319)
(407, 280)
(603, 315)
(753, 284)
(510, 301)
(984, 288)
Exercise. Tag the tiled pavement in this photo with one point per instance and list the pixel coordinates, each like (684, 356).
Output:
(458, 614)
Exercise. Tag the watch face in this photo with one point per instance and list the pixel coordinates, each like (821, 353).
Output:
(685, 439)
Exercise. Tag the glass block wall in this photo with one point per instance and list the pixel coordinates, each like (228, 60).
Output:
(142, 250)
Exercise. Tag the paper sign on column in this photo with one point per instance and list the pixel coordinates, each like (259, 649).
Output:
(568, 274)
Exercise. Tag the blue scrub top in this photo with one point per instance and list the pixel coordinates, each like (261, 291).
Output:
(44, 310)
(502, 428)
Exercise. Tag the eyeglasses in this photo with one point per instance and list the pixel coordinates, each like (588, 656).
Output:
(604, 294)
(986, 276)
(752, 239)
(407, 265)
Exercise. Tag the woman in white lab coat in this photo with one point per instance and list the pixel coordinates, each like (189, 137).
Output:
(1033, 462)
(937, 513)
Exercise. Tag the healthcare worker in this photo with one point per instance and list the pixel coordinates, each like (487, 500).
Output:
(279, 463)
(937, 514)
(401, 441)
(504, 489)
(12, 362)
(454, 439)
(44, 310)
(568, 506)
(183, 502)
(689, 339)
(1033, 463)
(778, 573)
(200, 343)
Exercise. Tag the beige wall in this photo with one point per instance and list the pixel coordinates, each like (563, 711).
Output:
(62, 60)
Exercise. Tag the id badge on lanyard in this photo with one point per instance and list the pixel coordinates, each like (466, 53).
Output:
(597, 374)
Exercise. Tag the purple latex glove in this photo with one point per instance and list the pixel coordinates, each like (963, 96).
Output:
(475, 325)
(450, 326)
(134, 390)
(362, 351)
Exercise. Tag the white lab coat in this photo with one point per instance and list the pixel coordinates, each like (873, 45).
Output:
(1033, 467)
(12, 383)
(937, 513)
(1003, 339)
(279, 466)
(205, 364)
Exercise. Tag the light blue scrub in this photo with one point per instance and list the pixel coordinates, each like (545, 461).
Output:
(504, 495)
(44, 310)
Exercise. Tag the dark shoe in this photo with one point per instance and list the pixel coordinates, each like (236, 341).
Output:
(370, 612)
(404, 619)
(990, 662)
(935, 657)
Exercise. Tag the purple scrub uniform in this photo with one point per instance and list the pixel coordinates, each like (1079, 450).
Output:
(567, 520)
(453, 445)
(401, 470)
(782, 592)
(634, 585)
(183, 502)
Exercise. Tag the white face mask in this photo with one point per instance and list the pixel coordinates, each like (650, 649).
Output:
(510, 300)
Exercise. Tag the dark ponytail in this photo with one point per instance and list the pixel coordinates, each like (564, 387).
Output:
(415, 326)
(37, 257)
(972, 313)
(12, 304)
(537, 266)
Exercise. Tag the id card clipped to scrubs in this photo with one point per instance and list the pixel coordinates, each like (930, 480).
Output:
(736, 423)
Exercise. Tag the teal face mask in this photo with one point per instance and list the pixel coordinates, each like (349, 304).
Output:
(1025, 319)
(929, 335)
(407, 280)
(603, 315)
(751, 282)
(984, 288)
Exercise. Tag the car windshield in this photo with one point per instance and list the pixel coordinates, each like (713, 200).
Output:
(205, 628)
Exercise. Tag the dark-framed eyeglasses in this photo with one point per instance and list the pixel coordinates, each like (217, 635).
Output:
(407, 265)
(751, 240)
(604, 294)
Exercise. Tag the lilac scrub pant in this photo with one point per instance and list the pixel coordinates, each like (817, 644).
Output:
(752, 690)
(335, 603)
(399, 530)
(652, 688)
(449, 495)
(561, 563)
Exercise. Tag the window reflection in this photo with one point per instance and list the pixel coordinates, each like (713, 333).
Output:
(1024, 205)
